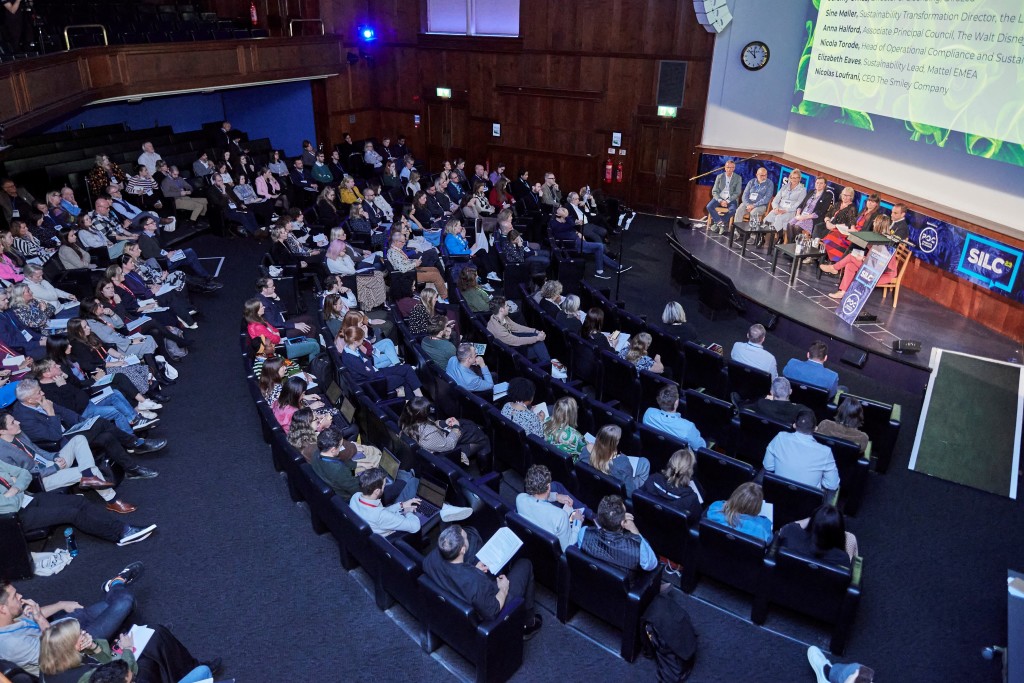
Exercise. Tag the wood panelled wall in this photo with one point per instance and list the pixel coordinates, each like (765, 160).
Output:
(35, 91)
(579, 71)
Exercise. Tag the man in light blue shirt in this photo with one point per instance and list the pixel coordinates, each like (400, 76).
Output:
(666, 418)
(756, 196)
(798, 457)
(460, 369)
(547, 509)
(813, 371)
(615, 539)
(752, 353)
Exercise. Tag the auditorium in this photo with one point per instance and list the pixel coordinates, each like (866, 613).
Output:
(501, 341)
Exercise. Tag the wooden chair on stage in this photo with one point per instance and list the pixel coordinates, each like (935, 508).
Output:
(721, 212)
(902, 256)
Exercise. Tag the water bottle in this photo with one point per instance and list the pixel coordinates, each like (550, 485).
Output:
(69, 540)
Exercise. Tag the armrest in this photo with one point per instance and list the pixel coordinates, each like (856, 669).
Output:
(510, 621)
(894, 416)
(492, 480)
(867, 453)
(643, 583)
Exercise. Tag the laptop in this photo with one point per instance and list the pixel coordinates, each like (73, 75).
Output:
(389, 463)
(348, 411)
(431, 497)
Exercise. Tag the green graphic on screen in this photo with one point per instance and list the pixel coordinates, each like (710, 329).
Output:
(951, 72)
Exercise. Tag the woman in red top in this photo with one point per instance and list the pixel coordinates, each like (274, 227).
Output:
(500, 196)
(256, 324)
(851, 263)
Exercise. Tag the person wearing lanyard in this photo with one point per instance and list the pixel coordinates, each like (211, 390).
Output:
(15, 335)
(787, 202)
(756, 196)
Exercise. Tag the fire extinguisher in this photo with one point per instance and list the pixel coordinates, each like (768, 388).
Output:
(608, 171)
(252, 13)
(620, 174)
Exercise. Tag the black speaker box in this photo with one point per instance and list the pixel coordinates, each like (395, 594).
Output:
(906, 346)
(855, 357)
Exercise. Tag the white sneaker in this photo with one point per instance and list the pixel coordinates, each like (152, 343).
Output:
(442, 301)
(454, 513)
(148, 415)
(601, 275)
(818, 660)
(486, 288)
(149, 404)
(493, 276)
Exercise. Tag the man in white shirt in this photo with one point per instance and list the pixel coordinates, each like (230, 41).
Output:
(400, 516)
(149, 157)
(594, 233)
(552, 511)
(752, 352)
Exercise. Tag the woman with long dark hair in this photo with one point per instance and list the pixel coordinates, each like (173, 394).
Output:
(93, 356)
(438, 436)
(822, 537)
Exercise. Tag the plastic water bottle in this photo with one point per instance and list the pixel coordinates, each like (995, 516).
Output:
(69, 540)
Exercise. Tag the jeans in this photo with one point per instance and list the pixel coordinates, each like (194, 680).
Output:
(307, 347)
(402, 489)
(385, 354)
(190, 263)
(600, 259)
(104, 619)
(713, 204)
(115, 408)
(840, 672)
(200, 673)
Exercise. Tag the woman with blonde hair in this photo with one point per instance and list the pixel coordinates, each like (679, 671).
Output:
(674, 324)
(676, 486)
(560, 429)
(742, 512)
(604, 456)
(636, 353)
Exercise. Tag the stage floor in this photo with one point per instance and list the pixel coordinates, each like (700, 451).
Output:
(916, 317)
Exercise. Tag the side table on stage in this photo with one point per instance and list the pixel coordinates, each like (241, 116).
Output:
(745, 230)
(790, 251)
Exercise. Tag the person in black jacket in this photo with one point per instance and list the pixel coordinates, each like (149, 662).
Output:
(776, 405)
(183, 259)
(230, 206)
(676, 486)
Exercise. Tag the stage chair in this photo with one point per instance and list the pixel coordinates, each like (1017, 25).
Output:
(792, 501)
(495, 647)
(821, 591)
(902, 256)
(609, 593)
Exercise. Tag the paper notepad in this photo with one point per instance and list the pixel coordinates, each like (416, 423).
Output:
(499, 550)
(140, 635)
(136, 324)
(13, 361)
(102, 395)
(500, 389)
(104, 380)
(767, 510)
(540, 408)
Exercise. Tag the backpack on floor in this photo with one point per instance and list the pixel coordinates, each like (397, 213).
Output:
(320, 367)
(669, 638)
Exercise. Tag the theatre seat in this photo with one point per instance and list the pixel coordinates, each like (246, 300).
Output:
(791, 500)
(540, 547)
(593, 485)
(665, 528)
(704, 369)
(753, 435)
(495, 647)
(822, 591)
(712, 416)
(720, 475)
(725, 555)
(15, 559)
(881, 423)
(617, 596)
(558, 463)
(398, 575)
(657, 446)
(750, 383)
(508, 444)
(814, 398)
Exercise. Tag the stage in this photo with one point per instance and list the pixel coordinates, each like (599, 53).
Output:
(804, 312)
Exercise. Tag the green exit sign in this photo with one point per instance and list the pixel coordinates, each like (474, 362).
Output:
(444, 93)
(667, 112)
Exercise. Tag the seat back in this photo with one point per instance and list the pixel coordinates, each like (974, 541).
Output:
(489, 510)
(720, 475)
(621, 383)
(398, 575)
(442, 470)
(753, 436)
(15, 559)
(791, 500)
(593, 485)
(540, 547)
(650, 385)
(509, 443)
(704, 369)
(813, 397)
(881, 423)
(853, 471)
(586, 366)
(666, 528)
(730, 557)
(657, 446)
(902, 257)
(712, 416)
(602, 414)
(819, 590)
(750, 383)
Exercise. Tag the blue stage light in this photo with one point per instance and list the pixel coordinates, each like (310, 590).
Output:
(367, 33)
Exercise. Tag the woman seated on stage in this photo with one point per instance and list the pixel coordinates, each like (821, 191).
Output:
(836, 243)
(811, 214)
(851, 263)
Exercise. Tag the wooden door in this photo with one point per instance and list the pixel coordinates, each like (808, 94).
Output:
(446, 131)
(665, 161)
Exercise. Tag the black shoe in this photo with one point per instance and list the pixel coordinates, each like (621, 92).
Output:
(140, 472)
(134, 534)
(530, 630)
(148, 446)
(155, 394)
(215, 665)
(125, 576)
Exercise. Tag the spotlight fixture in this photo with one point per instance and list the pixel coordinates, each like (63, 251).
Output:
(367, 33)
